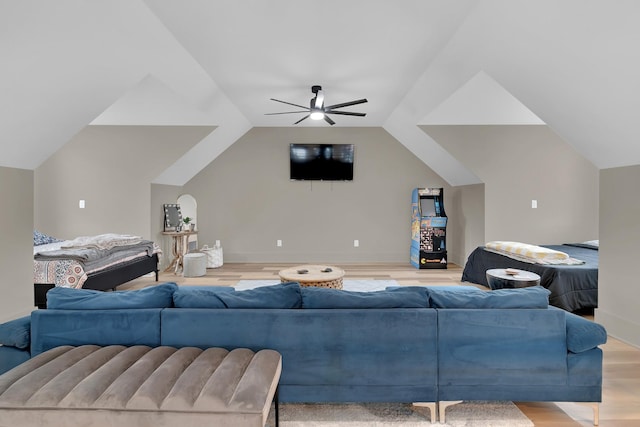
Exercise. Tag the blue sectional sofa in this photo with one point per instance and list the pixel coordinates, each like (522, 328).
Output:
(404, 344)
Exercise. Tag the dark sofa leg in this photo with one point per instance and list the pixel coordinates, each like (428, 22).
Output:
(276, 402)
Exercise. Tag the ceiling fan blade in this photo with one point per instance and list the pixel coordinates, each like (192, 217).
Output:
(289, 103)
(328, 120)
(302, 119)
(319, 99)
(346, 113)
(286, 112)
(346, 104)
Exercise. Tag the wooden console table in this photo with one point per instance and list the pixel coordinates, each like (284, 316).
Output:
(179, 248)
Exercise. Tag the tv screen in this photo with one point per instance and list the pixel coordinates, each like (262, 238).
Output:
(321, 162)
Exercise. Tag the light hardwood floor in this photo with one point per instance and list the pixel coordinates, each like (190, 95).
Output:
(620, 405)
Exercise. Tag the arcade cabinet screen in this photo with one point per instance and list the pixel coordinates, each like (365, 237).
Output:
(321, 162)
(428, 207)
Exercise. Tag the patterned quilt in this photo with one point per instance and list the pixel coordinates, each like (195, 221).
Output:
(72, 273)
(65, 273)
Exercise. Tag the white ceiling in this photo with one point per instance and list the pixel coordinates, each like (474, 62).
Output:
(572, 65)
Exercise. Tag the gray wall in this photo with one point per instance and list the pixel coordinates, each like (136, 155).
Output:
(247, 201)
(111, 168)
(467, 204)
(618, 290)
(16, 245)
(518, 164)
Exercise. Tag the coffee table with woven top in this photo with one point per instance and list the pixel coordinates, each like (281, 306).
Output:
(321, 276)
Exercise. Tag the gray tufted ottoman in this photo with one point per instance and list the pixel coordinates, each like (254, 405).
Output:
(141, 386)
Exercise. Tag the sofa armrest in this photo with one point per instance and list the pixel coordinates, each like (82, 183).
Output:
(10, 357)
(582, 334)
(16, 333)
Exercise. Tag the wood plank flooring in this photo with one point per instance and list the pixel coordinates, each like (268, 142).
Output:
(620, 405)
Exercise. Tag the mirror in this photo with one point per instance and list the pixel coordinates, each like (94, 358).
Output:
(172, 217)
(189, 207)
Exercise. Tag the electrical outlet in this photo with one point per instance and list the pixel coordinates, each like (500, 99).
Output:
(81, 204)
(534, 204)
(279, 243)
(356, 243)
(217, 243)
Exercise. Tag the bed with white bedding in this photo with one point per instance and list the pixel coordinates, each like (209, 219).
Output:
(99, 262)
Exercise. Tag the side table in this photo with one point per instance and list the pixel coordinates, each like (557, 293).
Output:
(321, 276)
(500, 278)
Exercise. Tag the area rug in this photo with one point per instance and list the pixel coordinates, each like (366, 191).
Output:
(466, 414)
(347, 285)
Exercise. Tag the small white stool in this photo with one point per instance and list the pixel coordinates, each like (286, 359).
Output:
(195, 265)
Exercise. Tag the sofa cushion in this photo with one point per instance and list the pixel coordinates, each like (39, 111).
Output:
(582, 334)
(158, 296)
(472, 297)
(398, 297)
(10, 357)
(199, 296)
(283, 295)
(16, 333)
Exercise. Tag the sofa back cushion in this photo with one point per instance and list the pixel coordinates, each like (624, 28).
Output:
(399, 297)
(53, 328)
(328, 355)
(283, 295)
(158, 296)
(488, 352)
(200, 296)
(472, 297)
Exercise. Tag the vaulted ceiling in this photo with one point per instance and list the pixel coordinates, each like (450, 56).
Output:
(572, 65)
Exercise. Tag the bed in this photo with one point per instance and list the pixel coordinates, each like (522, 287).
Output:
(573, 287)
(100, 262)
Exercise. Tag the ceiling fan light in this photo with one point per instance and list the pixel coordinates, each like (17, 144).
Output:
(316, 115)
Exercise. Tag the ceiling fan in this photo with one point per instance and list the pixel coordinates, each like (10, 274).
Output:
(317, 110)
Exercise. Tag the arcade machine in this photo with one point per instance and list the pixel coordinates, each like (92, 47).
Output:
(428, 228)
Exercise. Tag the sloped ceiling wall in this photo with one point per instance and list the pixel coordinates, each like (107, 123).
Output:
(573, 64)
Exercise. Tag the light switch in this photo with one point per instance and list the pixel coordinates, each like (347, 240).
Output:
(81, 204)
(534, 204)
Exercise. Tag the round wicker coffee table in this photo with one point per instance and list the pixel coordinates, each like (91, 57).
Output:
(321, 276)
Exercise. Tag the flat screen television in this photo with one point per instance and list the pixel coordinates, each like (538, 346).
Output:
(321, 162)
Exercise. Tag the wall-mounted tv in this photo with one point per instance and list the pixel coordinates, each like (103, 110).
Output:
(321, 162)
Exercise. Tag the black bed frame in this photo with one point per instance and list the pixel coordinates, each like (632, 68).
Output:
(107, 279)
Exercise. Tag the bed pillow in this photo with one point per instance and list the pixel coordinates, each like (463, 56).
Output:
(16, 333)
(397, 297)
(158, 296)
(200, 296)
(528, 253)
(472, 297)
(43, 239)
